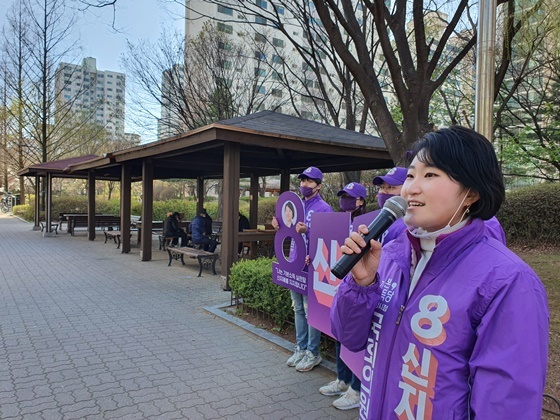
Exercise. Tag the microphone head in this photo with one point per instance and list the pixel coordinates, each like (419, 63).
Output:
(396, 205)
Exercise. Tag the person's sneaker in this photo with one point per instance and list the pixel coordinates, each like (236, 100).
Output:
(296, 357)
(349, 400)
(308, 362)
(334, 388)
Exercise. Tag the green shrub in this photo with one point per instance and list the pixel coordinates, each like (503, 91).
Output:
(25, 211)
(529, 215)
(267, 207)
(252, 280)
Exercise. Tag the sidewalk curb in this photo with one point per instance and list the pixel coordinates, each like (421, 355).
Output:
(264, 334)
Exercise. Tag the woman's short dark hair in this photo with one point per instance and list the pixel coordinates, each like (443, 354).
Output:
(468, 158)
(290, 205)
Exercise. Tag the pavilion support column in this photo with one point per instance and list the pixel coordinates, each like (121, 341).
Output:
(37, 215)
(254, 204)
(126, 204)
(199, 194)
(231, 210)
(284, 180)
(147, 208)
(48, 208)
(91, 204)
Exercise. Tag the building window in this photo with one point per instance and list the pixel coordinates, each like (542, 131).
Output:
(222, 27)
(276, 92)
(276, 59)
(225, 10)
(278, 42)
(259, 72)
(260, 20)
(260, 89)
(261, 3)
(260, 38)
(259, 55)
(280, 10)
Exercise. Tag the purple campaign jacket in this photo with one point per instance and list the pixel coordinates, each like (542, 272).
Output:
(495, 230)
(315, 204)
(470, 343)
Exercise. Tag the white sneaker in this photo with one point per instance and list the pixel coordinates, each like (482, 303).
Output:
(296, 357)
(334, 388)
(349, 400)
(308, 362)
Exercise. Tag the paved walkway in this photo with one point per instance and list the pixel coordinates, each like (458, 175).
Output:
(90, 333)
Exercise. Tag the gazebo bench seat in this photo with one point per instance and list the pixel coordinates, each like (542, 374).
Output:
(205, 259)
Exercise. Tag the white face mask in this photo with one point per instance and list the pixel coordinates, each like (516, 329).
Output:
(421, 233)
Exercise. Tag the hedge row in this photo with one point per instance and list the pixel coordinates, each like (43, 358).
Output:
(78, 204)
(529, 215)
(252, 280)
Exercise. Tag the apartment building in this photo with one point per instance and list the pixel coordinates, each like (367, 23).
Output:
(95, 94)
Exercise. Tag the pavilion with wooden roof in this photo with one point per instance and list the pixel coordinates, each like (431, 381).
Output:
(261, 144)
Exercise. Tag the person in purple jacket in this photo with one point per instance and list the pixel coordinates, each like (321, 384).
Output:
(306, 355)
(454, 325)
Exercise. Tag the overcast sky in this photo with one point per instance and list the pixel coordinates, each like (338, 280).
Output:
(134, 20)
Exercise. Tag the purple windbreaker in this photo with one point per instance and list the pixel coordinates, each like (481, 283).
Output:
(315, 204)
(494, 230)
(470, 343)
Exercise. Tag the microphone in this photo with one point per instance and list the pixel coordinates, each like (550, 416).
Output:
(394, 209)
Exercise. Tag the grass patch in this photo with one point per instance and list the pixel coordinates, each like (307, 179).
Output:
(546, 263)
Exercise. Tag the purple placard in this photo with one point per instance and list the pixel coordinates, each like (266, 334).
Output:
(327, 236)
(289, 271)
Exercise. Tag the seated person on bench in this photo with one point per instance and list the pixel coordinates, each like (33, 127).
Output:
(198, 230)
(172, 228)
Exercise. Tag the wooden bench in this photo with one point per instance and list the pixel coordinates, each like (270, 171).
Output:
(205, 259)
(165, 241)
(115, 235)
(100, 222)
(54, 226)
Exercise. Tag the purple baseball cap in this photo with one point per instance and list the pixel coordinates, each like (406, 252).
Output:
(396, 176)
(354, 190)
(313, 173)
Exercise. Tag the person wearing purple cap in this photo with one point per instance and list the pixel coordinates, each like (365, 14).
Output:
(389, 185)
(306, 355)
(453, 323)
(347, 385)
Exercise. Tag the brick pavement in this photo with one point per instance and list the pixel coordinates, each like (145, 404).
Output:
(90, 333)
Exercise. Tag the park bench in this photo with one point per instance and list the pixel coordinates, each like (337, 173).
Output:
(205, 259)
(54, 226)
(115, 235)
(103, 221)
(165, 241)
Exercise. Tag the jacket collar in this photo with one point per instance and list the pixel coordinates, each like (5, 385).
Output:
(450, 246)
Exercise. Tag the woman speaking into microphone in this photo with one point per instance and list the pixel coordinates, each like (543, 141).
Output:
(454, 325)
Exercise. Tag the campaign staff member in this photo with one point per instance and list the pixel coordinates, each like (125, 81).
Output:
(454, 324)
(390, 185)
(306, 355)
